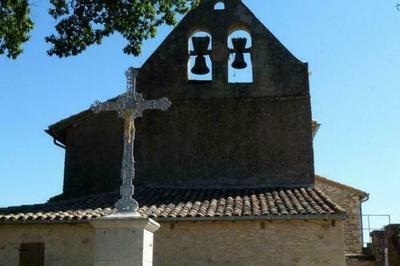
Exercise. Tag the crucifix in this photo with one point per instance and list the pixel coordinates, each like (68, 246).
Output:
(129, 106)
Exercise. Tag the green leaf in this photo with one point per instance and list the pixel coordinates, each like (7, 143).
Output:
(15, 25)
(82, 23)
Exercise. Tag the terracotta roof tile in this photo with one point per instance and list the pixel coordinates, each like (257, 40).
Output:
(161, 203)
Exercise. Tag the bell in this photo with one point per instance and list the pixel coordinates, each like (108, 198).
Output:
(200, 66)
(239, 45)
(239, 62)
(200, 47)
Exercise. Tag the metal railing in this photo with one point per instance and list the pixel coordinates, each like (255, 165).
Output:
(372, 222)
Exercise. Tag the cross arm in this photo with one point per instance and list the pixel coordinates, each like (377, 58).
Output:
(99, 107)
(162, 104)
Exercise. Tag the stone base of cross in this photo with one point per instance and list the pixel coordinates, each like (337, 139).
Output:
(129, 106)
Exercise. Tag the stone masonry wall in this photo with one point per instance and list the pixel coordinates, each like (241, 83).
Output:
(65, 245)
(293, 243)
(93, 156)
(350, 201)
(360, 262)
(277, 243)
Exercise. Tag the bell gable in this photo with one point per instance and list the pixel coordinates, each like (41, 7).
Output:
(273, 69)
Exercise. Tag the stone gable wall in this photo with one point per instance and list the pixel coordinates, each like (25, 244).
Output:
(350, 201)
(276, 71)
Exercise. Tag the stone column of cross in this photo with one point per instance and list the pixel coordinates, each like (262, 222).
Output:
(129, 106)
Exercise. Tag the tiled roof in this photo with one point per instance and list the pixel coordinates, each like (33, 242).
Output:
(169, 203)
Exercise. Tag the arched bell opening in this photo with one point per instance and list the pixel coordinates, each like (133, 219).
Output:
(240, 66)
(219, 5)
(200, 64)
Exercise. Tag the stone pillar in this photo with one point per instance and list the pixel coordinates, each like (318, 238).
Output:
(378, 245)
(123, 239)
(392, 233)
(389, 240)
(220, 54)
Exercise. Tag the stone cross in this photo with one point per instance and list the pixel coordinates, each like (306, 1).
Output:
(129, 106)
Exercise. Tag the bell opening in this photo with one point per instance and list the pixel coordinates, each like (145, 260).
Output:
(240, 67)
(200, 64)
(219, 6)
(242, 73)
(239, 45)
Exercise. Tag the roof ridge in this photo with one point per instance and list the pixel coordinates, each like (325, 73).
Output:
(240, 187)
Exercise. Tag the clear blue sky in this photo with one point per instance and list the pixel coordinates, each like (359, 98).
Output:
(353, 48)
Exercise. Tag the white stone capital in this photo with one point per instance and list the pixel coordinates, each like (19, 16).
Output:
(127, 221)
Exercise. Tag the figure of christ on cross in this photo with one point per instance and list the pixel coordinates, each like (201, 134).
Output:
(129, 106)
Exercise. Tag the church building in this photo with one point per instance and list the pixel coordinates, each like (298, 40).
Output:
(224, 177)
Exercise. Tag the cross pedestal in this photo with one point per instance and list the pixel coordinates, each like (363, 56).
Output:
(124, 239)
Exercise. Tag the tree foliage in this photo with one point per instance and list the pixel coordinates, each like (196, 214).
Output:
(15, 25)
(81, 23)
